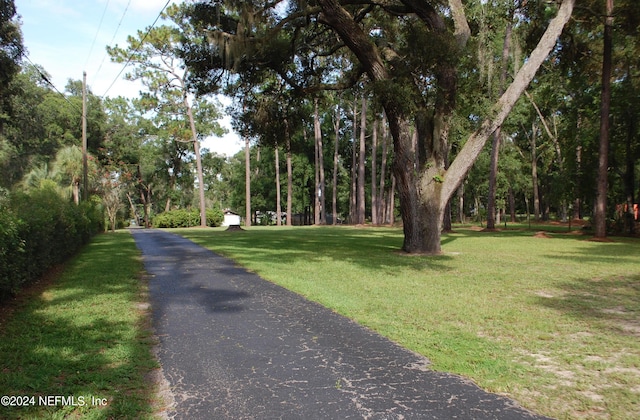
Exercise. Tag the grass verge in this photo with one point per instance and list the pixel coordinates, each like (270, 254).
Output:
(552, 321)
(82, 348)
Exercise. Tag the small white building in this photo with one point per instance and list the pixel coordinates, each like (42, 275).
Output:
(231, 219)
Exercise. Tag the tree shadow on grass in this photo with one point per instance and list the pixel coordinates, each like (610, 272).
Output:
(89, 356)
(377, 248)
(611, 303)
(611, 253)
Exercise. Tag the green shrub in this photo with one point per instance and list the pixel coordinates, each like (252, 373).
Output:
(12, 249)
(214, 217)
(38, 230)
(186, 218)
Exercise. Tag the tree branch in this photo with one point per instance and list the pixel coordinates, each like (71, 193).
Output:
(474, 145)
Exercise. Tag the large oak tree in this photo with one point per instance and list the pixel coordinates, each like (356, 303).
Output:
(409, 51)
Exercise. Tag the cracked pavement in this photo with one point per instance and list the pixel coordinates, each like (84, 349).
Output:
(235, 346)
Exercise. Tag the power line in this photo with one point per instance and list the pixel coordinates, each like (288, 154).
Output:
(49, 82)
(104, 12)
(136, 49)
(126, 9)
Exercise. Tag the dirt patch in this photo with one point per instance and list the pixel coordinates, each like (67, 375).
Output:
(603, 240)
(630, 327)
(593, 396)
(490, 230)
(547, 363)
(618, 310)
(164, 401)
(542, 234)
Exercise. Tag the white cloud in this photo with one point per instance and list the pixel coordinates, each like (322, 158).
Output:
(50, 8)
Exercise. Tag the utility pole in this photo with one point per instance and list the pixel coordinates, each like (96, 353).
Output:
(85, 166)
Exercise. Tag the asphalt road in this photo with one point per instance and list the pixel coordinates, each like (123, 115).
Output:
(234, 346)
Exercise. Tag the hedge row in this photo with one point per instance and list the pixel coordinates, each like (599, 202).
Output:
(186, 218)
(38, 230)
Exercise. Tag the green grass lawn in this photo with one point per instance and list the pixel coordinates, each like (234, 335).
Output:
(85, 338)
(552, 322)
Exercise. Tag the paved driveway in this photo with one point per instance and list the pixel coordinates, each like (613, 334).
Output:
(234, 346)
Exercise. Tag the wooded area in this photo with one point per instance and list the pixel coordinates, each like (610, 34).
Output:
(352, 112)
(419, 114)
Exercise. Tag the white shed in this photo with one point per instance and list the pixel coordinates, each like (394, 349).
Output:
(231, 219)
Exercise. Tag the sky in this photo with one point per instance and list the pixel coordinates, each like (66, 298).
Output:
(69, 37)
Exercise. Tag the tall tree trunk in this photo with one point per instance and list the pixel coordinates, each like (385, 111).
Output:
(512, 205)
(446, 221)
(75, 191)
(493, 176)
(133, 209)
(534, 173)
(629, 175)
(145, 207)
(287, 136)
(374, 175)
(196, 148)
(247, 181)
(461, 218)
(553, 136)
(495, 145)
(577, 202)
(391, 208)
(172, 187)
(143, 197)
(361, 158)
(600, 216)
(353, 197)
(258, 154)
(321, 176)
(278, 197)
(334, 183)
(383, 171)
(316, 168)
